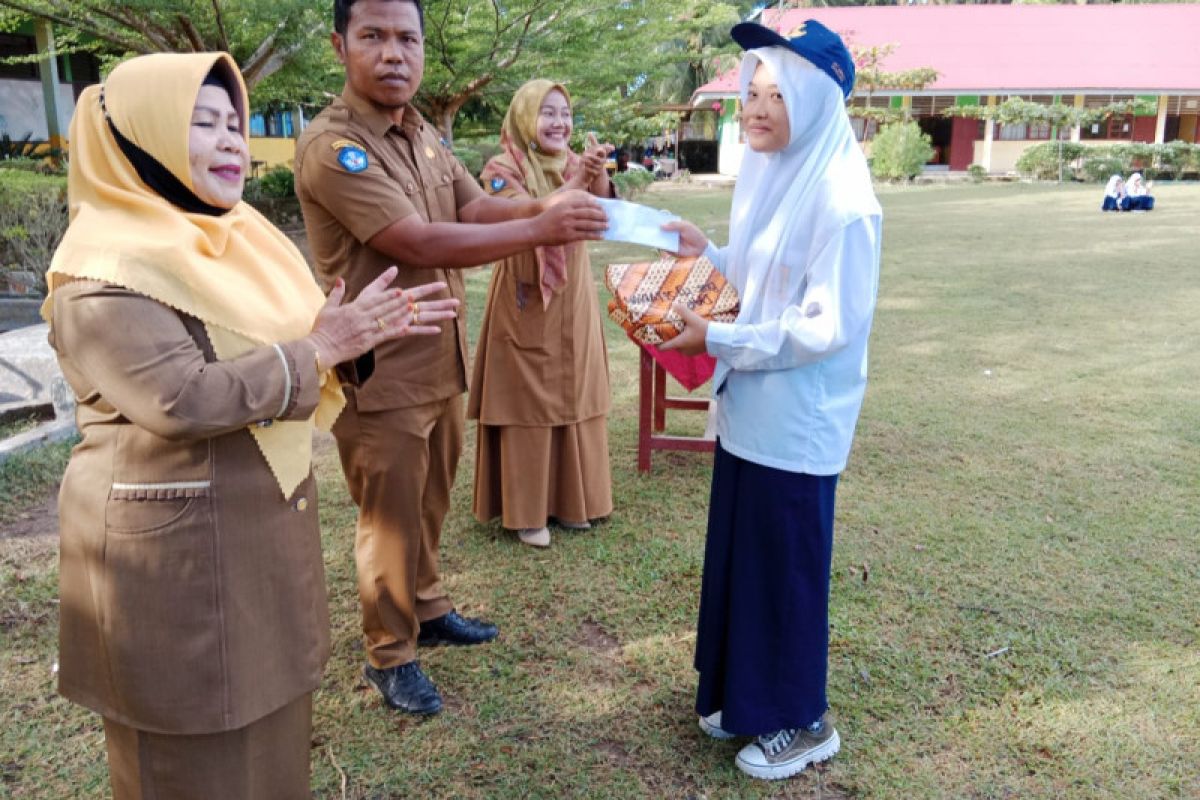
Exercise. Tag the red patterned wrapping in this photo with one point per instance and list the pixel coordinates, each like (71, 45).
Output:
(644, 292)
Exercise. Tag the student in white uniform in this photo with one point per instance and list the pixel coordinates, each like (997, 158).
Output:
(1114, 193)
(791, 371)
(1137, 195)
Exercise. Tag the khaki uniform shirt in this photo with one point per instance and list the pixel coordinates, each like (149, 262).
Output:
(409, 170)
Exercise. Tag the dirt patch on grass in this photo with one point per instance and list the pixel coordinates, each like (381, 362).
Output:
(594, 637)
(38, 520)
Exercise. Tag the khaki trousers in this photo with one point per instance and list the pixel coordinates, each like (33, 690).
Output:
(266, 760)
(399, 466)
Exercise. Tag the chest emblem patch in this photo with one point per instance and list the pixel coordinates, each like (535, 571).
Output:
(352, 157)
(498, 184)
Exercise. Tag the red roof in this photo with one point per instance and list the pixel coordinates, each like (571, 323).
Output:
(1021, 49)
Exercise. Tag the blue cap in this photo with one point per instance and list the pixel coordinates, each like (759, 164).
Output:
(812, 41)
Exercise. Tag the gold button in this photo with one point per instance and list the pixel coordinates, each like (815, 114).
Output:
(302, 504)
(428, 151)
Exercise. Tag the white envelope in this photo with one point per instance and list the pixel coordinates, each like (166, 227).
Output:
(638, 224)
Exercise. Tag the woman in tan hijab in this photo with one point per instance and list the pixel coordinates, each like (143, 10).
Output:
(540, 385)
(193, 615)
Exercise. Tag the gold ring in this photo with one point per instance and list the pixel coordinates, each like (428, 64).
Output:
(416, 312)
(382, 325)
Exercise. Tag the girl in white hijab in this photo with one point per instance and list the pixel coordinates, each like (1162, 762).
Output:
(791, 372)
(1114, 193)
(1137, 194)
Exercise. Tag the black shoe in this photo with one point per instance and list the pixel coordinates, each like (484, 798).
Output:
(406, 688)
(454, 628)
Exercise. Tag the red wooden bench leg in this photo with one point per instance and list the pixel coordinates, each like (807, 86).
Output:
(660, 398)
(645, 408)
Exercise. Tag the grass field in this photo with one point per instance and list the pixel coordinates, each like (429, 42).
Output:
(1015, 610)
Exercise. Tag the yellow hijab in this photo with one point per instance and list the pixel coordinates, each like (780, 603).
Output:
(543, 171)
(236, 272)
(529, 171)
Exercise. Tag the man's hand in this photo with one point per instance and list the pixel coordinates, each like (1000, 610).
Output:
(569, 216)
(691, 340)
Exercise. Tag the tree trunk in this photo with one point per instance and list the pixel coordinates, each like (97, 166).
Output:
(441, 111)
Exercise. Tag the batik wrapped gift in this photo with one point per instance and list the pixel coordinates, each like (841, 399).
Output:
(644, 292)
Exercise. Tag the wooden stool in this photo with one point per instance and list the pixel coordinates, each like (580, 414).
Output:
(652, 415)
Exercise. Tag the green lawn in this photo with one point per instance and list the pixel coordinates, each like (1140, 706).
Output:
(1014, 607)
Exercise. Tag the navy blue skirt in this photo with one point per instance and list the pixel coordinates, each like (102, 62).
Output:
(762, 643)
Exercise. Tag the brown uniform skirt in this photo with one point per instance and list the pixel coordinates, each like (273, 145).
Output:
(266, 760)
(525, 475)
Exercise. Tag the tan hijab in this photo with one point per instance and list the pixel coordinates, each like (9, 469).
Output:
(533, 173)
(234, 271)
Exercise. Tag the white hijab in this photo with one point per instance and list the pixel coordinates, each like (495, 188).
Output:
(1111, 189)
(1135, 187)
(788, 204)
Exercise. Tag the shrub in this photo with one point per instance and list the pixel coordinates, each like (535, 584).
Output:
(1050, 161)
(471, 158)
(1100, 163)
(475, 154)
(33, 217)
(277, 183)
(1176, 158)
(631, 183)
(977, 172)
(900, 151)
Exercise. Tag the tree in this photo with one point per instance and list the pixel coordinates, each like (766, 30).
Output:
(870, 76)
(613, 56)
(265, 37)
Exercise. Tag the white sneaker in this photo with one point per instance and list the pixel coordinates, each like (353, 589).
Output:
(784, 753)
(712, 726)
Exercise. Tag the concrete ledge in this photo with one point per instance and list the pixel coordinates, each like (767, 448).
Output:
(18, 312)
(29, 371)
(42, 435)
(24, 409)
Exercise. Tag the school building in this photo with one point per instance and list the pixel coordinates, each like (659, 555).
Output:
(1087, 56)
(37, 98)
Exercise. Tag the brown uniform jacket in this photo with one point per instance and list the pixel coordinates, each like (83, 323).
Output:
(540, 365)
(193, 593)
(408, 170)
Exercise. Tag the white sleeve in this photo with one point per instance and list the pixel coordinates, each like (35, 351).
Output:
(838, 302)
(716, 255)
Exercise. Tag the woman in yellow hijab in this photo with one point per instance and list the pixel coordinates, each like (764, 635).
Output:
(540, 385)
(200, 351)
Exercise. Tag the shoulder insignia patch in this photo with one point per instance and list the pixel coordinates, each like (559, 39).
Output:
(498, 183)
(340, 143)
(352, 157)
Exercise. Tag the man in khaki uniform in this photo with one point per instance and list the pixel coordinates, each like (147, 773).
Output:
(379, 186)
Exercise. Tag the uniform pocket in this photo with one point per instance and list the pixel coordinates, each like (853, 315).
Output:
(150, 507)
(159, 604)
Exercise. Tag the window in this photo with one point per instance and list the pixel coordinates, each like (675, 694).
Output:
(864, 129)
(1039, 130)
(277, 124)
(1117, 127)
(13, 45)
(1012, 131)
